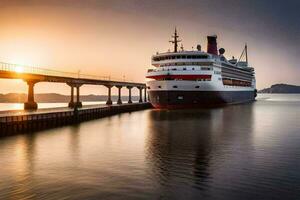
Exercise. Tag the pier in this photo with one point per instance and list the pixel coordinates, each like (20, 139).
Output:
(33, 76)
(33, 119)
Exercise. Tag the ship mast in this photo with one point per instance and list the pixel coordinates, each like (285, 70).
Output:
(246, 53)
(175, 40)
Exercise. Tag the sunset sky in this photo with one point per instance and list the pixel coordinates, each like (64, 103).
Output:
(118, 37)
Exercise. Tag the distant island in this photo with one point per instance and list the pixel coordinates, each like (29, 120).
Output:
(281, 88)
(56, 98)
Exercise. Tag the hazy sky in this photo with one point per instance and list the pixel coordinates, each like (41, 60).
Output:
(118, 37)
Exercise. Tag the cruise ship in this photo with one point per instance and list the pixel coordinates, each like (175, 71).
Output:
(190, 79)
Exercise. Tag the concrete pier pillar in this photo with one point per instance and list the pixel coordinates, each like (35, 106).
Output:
(129, 94)
(145, 94)
(30, 104)
(78, 104)
(71, 103)
(141, 96)
(109, 101)
(119, 95)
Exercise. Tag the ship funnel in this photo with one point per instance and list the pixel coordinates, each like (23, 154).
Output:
(212, 44)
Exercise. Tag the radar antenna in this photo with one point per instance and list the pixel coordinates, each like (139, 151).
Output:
(181, 47)
(175, 40)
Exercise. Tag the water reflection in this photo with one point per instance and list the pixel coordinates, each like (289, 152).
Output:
(185, 147)
(23, 168)
(74, 142)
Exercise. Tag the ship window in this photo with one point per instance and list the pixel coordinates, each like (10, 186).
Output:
(175, 86)
(197, 86)
(193, 57)
(177, 57)
(173, 57)
(148, 87)
(183, 57)
(193, 68)
(180, 97)
(188, 57)
(184, 68)
(159, 86)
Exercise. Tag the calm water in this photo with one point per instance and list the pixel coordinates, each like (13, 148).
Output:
(249, 151)
(20, 106)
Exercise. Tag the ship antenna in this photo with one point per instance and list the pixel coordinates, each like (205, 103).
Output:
(244, 53)
(175, 40)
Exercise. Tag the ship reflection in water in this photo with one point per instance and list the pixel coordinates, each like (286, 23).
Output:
(247, 151)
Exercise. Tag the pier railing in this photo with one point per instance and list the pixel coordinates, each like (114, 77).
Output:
(16, 68)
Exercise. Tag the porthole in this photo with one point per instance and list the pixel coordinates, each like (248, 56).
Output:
(175, 86)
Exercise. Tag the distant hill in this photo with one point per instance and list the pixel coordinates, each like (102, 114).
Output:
(281, 88)
(55, 98)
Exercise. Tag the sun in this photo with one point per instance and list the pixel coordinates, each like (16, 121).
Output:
(19, 69)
